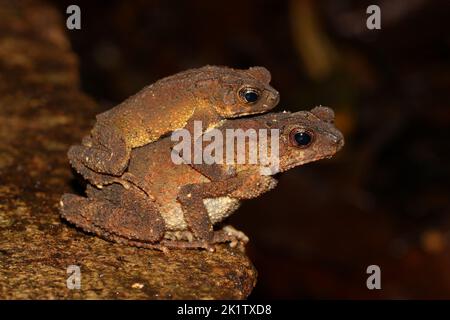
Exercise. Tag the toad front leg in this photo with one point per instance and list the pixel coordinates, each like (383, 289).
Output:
(196, 214)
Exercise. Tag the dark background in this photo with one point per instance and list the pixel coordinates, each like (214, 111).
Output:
(384, 199)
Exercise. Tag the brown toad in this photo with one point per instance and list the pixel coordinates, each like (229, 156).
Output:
(187, 200)
(209, 94)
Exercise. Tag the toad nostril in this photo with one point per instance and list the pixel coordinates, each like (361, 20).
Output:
(337, 138)
(274, 97)
(340, 141)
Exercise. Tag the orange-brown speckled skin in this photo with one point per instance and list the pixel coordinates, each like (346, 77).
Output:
(209, 94)
(131, 216)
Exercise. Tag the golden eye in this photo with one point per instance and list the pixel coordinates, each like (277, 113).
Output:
(301, 138)
(249, 95)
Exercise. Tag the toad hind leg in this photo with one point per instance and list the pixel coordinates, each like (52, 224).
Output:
(79, 211)
(142, 222)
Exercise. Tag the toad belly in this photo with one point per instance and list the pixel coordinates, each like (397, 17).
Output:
(218, 209)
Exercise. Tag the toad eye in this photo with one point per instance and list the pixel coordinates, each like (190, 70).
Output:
(249, 95)
(301, 138)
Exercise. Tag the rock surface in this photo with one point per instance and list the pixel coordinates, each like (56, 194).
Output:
(42, 112)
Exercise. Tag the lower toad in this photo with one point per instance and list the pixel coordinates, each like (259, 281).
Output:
(178, 205)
